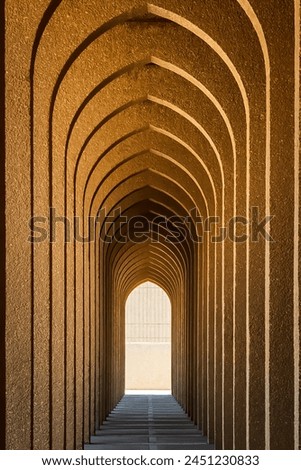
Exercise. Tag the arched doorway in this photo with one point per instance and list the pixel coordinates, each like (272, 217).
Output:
(148, 339)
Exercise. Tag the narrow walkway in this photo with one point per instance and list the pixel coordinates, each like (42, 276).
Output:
(143, 422)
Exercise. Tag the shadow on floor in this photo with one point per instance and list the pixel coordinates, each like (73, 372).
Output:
(153, 422)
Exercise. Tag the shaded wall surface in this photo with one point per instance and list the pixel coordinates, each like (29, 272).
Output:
(127, 125)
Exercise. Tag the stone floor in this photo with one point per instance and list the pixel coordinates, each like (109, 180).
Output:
(143, 422)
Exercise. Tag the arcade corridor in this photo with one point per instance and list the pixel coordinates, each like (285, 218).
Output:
(150, 142)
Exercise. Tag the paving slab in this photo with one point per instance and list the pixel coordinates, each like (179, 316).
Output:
(143, 422)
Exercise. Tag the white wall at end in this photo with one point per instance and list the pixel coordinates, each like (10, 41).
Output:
(148, 366)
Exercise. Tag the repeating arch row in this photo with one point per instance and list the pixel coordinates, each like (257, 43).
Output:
(178, 115)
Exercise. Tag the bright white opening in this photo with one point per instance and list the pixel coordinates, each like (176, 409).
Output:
(148, 340)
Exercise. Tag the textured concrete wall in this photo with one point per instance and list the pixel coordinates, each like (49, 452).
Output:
(127, 109)
(2, 235)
